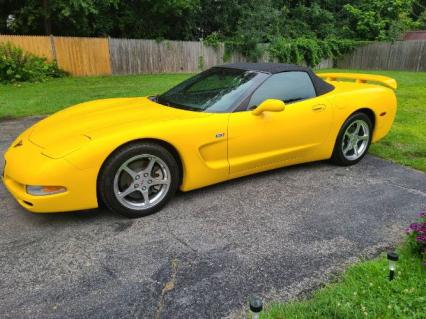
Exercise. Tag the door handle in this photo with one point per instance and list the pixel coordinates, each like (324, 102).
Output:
(318, 107)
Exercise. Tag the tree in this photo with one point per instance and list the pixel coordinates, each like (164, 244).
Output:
(246, 20)
(379, 19)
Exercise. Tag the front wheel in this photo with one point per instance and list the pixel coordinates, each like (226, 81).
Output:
(353, 141)
(138, 179)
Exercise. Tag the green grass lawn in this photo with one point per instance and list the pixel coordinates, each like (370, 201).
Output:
(405, 144)
(364, 291)
(53, 95)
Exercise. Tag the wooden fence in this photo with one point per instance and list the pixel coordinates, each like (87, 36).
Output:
(79, 56)
(38, 45)
(106, 56)
(82, 56)
(400, 55)
(130, 56)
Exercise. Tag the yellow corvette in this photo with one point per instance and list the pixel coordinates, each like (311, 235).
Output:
(132, 154)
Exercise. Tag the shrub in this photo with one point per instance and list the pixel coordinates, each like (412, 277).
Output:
(417, 236)
(213, 40)
(285, 50)
(307, 50)
(17, 65)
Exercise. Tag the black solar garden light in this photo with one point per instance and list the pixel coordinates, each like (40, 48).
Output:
(392, 259)
(256, 306)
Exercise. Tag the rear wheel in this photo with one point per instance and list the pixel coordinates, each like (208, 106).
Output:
(138, 179)
(353, 141)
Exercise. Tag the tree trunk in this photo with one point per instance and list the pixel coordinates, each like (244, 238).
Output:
(47, 22)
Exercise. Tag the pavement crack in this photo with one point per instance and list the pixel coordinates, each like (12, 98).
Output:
(168, 286)
(180, 240)
(183, 242)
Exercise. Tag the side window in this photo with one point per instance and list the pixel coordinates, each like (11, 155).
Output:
(287, 86)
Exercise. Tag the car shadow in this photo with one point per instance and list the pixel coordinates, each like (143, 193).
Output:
(288, 170)
(104, 214)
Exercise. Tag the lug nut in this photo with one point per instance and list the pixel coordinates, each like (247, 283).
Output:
(145, 174)
(150, 181)
(143, 188)
(136, 185)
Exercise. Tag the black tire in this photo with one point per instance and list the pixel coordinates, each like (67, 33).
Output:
(338, 156)
(111, 167)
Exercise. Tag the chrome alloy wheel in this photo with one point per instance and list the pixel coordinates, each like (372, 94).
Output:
(355, 140)
(142, 182)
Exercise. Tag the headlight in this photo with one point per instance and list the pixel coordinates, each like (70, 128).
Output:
(44, 190)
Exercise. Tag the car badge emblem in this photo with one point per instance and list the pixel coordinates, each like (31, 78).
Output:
(219, 135)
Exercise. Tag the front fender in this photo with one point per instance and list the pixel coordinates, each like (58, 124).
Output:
(202, 153)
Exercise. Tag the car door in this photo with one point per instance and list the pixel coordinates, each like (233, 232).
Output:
(275, 139)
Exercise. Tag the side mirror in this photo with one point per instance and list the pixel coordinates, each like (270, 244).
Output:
(270, 105)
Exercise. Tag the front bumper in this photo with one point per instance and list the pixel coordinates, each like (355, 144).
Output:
(26, 165)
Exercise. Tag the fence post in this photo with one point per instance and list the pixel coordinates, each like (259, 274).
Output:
(52, 46)
(419, 58)
(201, 58)
(109, 54)
(389, 55)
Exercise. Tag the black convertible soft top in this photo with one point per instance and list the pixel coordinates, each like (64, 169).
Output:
(321, 87)
(265, 67)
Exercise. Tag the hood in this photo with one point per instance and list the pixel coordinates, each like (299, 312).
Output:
(69, 129)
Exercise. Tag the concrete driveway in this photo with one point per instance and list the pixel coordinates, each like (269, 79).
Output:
(277, 234)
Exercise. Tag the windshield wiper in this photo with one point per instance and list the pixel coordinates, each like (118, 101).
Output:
(153, 98)
(161, 100)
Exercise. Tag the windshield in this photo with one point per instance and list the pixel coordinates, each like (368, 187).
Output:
(215, 90)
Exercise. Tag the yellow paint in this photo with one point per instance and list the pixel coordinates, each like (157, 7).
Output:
(68, 148)
(360, 78)
(270, 105)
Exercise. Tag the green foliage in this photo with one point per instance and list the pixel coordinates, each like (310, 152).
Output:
(19, 66)
(422, 20)
(169, 19)
(309, 51)
(201, 63)
(310, 20)
(243, 20)
(251, 49)
(229, 49)
(258, 23)
(379, 19)
(213, 40)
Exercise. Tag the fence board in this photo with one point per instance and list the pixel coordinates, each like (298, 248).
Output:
(38, 45)
(83, 56)
(421, 61)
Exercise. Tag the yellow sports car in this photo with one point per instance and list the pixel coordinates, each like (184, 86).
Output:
(132, 154)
